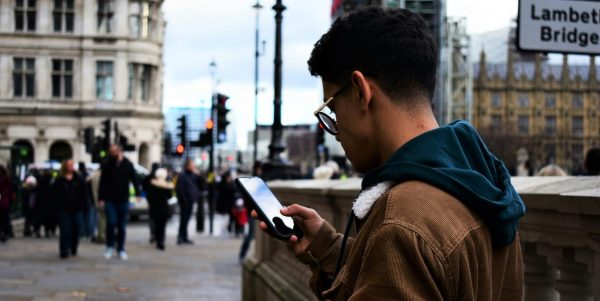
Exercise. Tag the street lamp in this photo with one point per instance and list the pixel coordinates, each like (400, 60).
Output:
(257, 54)
(276, 146)
(212, 68)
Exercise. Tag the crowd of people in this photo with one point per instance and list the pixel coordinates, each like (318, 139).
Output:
(95, 205)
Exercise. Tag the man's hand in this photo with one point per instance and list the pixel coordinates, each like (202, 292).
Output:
(100, 204)
(309, 221)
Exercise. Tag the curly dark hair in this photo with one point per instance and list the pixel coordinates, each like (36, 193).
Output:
(393, 47)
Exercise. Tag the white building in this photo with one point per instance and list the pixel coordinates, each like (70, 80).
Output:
(70, 64)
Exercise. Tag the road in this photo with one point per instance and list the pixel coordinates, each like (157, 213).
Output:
(31, 270)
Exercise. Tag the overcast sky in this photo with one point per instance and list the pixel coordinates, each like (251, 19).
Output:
(199, 31)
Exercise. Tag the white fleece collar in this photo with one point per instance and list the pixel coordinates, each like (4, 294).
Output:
(367, 198)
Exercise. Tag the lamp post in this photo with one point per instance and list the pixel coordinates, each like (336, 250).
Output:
(212, 67)
(276, 146)
(257, 54)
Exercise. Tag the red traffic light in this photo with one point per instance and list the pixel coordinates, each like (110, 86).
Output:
(180, 149)
(209, 124)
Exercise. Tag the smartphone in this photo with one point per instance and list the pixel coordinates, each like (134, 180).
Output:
(255, 190)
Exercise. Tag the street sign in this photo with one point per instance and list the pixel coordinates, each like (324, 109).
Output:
(563, 26)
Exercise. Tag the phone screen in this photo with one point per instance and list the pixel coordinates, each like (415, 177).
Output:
(268, 203)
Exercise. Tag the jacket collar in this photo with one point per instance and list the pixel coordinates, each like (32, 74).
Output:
(365, 200)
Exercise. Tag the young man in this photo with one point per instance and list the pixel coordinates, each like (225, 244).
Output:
(113, 197)
(437, 215)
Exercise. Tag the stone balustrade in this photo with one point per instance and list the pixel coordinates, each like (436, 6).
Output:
(560, 234)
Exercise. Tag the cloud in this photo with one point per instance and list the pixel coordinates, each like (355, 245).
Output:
(199, 31)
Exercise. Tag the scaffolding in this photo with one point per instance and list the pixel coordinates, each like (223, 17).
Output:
(457, 72)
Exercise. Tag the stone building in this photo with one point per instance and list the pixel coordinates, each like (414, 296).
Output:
(70, 64)
(549, 110)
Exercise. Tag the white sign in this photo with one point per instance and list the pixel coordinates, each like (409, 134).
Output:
(559, 26)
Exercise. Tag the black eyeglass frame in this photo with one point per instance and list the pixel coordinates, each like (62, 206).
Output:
(327, 122)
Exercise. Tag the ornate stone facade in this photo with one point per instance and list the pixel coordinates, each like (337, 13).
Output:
(552, 111)
(70, 64)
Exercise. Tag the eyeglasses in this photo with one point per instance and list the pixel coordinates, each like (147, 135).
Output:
(327, 122)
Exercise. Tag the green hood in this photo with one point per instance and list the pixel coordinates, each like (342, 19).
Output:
(454, 159)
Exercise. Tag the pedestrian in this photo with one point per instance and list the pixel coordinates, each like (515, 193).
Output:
(69, 190)
(226, 196)
(117, 174)
(100, 227)
(437, 215)
(200, 212)
(88, 214)
(187, 195)
(591, 162)
(159, 192)
(47, 206)
(6, 199)
(37, 212)
(146, 188)
(249, 235)
(239, 215)
(28, 203)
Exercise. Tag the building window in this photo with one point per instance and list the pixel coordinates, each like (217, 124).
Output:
(577, 157)
(62, 78)
(106, 9)
(577, 126)
(104, 80)
(523, 100)
(25, 15)
(496, 100)
(577, 101)
(550, 101)
(496, 122)
(523, 124)
(23, 77)
(63, 14)
(550, 125)
(550, 151)
(140, 77)
(143, 18)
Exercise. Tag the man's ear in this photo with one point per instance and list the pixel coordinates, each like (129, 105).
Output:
(364, 89)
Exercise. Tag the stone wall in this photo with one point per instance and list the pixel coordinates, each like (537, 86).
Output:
(560, 234)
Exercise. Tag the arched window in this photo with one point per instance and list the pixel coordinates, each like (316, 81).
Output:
(22, 152)
(144, 159)
(60, 150)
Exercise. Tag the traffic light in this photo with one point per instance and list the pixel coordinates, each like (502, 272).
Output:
(167, 144)
(182, 131)
(124, 143)
(179, 150)
(98, 152)
(222, 122)
(205, 137)
(88, 139)
(106, 129)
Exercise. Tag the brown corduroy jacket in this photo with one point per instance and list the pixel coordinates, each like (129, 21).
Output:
(417, 243)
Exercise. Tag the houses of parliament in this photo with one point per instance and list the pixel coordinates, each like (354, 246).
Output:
(547, 112)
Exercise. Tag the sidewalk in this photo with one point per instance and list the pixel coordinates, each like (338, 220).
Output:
(30, 269)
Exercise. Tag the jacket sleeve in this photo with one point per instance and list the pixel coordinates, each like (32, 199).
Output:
(322, 257)
(398, 265)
